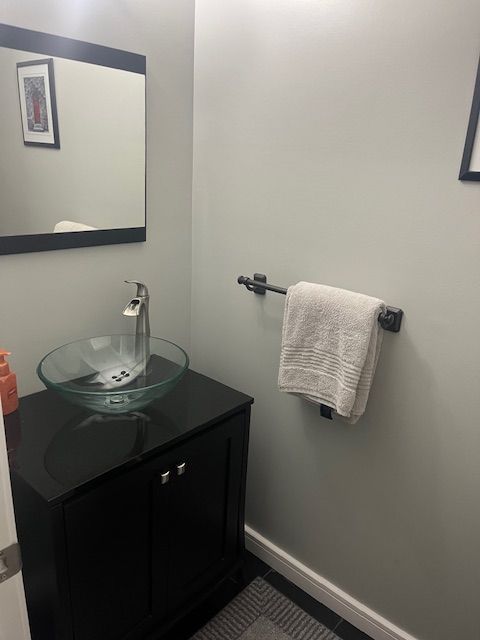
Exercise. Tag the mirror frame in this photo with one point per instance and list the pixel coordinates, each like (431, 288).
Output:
(60, 47)
(465, 172)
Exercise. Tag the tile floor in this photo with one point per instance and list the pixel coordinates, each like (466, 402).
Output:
(230, 588)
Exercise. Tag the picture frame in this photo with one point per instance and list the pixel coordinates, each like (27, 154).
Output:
(470, 166)
(38, 103)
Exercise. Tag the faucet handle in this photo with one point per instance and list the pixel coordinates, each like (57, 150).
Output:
(142, 291)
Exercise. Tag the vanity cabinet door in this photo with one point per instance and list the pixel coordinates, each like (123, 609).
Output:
(204, 510)
(108, 557)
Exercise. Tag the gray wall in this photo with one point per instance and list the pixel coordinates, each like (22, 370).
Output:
(50, 298)
(97, 177)
(327, 143)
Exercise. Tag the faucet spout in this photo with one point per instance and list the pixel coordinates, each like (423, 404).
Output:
(133, 308)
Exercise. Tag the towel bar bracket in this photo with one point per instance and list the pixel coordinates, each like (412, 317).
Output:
(260, 277)
(390, 320)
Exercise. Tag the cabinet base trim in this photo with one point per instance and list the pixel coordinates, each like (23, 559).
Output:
(352, 610)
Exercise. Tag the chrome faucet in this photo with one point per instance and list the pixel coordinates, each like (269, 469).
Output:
(138, 307)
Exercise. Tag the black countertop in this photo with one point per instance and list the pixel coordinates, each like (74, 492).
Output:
(58, 448)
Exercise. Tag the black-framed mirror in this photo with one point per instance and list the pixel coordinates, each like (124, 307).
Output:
(72, 136)
(470, 167)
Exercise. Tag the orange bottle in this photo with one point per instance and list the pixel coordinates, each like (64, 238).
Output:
(8, 386)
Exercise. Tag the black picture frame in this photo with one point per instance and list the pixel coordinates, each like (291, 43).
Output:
(465, 171)
(57, 46)
(51, 101)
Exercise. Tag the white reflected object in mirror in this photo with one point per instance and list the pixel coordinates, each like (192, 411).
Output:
(66, 226)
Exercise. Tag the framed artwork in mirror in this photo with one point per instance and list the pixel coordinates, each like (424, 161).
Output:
(470, 167)
(38, 105)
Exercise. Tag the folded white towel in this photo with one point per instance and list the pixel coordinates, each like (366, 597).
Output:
(331, 341)
(65, 226)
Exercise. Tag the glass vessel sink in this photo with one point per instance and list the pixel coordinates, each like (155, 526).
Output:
(114, 374)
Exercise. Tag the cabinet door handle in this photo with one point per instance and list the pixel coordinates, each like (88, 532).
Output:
(164, 477)
(181, 468)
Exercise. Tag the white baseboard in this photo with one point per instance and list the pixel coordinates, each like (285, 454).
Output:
(322, 590)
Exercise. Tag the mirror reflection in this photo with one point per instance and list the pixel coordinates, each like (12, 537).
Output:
(73, 145)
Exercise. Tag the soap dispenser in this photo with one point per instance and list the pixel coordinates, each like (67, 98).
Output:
(8, 386)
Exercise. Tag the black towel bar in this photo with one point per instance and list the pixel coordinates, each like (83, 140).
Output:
(390, 320)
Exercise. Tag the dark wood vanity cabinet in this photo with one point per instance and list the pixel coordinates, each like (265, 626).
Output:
(146, 542)
(126, 551)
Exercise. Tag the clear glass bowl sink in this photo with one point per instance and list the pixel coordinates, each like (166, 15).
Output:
(114, 374)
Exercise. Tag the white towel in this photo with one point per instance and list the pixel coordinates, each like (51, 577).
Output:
(65, 226)
(331, 341)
